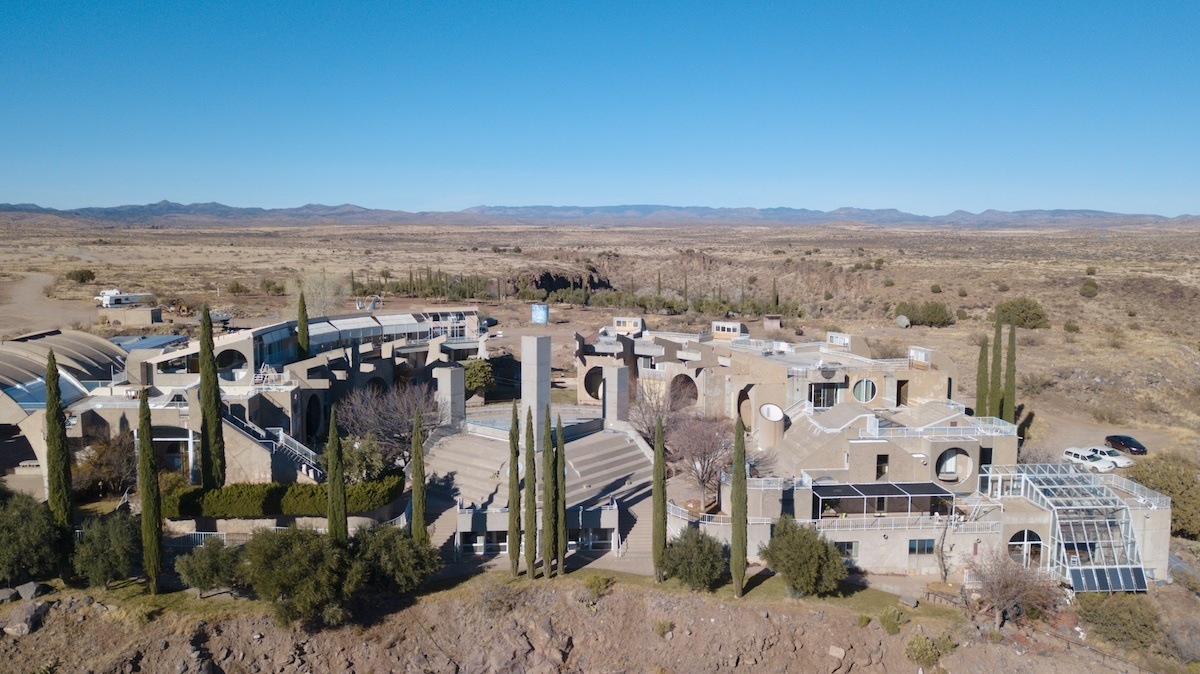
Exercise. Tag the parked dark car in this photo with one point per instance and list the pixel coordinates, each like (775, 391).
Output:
(1125, 444)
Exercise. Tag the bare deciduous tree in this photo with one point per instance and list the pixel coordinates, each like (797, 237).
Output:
(652, 401)
(323, 293)
(1005, 585)
(387, 415)
(700, 447)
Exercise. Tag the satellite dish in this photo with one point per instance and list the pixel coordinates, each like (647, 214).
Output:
(903, 321)
(771, 412)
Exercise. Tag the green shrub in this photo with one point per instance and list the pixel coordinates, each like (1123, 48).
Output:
(863, 620)
(808, 563)
(1023, 312)
(479, 376)
(920, 649)
(935, 289)
(275, 499)
(274, 287)
(29, 539)
(81, 275)
(932, 314)
(828, 295)
(696, 559)
(892, 619)
(1127, 620)
(210, 566)
(107, 549)
(888, 283)
(962, 292)
(1089, 288)
(304, 576)
(395, 563)
(1091, 271)
(662, 626)
(236, 288)
(1071, 327)
(598, 585)
(1173, 475)
(1003, 287)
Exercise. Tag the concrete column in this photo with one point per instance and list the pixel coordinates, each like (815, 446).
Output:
(616, 393)
(535, 383)
(451, 393)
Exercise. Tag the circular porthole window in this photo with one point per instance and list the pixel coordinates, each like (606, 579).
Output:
(864, 391)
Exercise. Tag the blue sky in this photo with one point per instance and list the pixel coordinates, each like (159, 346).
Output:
(925, 107)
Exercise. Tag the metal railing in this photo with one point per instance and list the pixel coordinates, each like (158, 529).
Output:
(762, 483)
(906, 522)
(193, 539)
(982, 426)
(678, 336)
(304, 455)
(1143, 498)
(706, 518)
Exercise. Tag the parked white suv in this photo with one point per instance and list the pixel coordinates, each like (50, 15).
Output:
(1119, 460)
(1089, 459)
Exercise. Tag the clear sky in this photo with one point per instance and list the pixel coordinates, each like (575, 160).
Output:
(925, 107)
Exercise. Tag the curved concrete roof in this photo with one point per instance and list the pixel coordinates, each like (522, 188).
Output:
(84, 355)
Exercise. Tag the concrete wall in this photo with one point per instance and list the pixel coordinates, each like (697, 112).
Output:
(1152, 529)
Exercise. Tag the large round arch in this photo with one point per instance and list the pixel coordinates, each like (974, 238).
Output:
(1025, 547)
(593, 382)
(377, 384)
(953, 465)
(228, 362)
(684, 392)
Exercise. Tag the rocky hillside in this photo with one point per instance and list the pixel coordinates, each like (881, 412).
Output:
(487, 625)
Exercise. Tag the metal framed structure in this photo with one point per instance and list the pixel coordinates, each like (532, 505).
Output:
(1092, 544)
(881, 499)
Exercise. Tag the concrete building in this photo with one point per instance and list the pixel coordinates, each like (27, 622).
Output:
(275, 402)
(880, 457)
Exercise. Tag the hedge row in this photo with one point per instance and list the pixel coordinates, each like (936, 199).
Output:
(275, 499)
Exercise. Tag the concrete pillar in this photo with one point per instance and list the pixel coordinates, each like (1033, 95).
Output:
(616, 393)
(451, 393)
(535, 383)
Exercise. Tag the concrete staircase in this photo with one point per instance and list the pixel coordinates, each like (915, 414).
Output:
(637, 529)
(474, 468)
(606, 464)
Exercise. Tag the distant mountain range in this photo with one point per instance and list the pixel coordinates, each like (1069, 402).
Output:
(170, 214)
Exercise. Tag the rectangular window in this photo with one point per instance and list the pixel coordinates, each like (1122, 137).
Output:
(920, 546)
(849, 549)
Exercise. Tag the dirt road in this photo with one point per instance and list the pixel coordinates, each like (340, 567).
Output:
(24, 307)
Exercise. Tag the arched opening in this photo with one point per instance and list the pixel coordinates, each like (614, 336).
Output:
(593, 381)
(683, 391)
(312, 417)
(377, 384)
(953, 465)
(1025, 547)
(231, 365)
(744, 410)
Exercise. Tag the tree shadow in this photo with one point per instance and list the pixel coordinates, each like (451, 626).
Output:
(757, 579)
(1024, 421)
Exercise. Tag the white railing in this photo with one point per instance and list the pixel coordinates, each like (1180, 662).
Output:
(982, 426)
(706, 518)
(193, 539)
(890, 523)
(1143, 498)
(761, 483)
(678, 336)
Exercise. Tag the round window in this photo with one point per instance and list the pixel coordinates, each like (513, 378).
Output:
(864, 391)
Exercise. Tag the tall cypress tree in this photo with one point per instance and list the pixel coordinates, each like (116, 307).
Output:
(658, 288)
(212, 442)
(685, 291)
(549, 501)
(775, 293)
(58, 462)
(737, 548)
(659, 543)
(560, 497)
(995, 390)
(514, 493)
(335, 483)
(420, 534)
(530, 498)
(302, 341)
(983, 386)
(1009, 411)
(152, 545)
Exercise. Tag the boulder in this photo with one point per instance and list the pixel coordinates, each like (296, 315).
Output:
(31, 590)
(7, 594)
(837, 652)
(26, 617)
